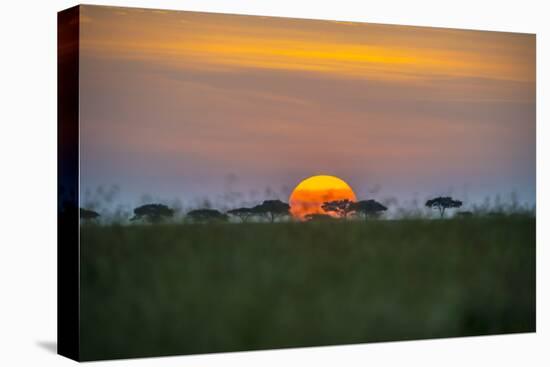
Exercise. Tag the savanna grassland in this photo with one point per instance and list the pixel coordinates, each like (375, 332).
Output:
(195, 288)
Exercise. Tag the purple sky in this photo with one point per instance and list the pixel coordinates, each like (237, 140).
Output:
(192, 105)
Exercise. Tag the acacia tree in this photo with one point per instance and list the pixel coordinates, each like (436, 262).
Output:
(242, 213)
(152, 213)
(369, 208)
(87, 214)
(342, 208)
(206, 215)
(272, 209)
(443, 202)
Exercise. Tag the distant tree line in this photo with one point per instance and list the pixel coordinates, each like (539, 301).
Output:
(273, 210)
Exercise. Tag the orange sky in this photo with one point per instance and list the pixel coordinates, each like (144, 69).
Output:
(357, 50)
(187, 99)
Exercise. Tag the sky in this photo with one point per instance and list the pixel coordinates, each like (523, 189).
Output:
(231, 108)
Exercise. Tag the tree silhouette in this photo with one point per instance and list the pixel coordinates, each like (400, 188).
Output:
(369, 208)
(206, 215)
(88, 215)
(341, 207)
(272, 209)
(318, 217)
(152, 213)
(242, 213)
(443, 202)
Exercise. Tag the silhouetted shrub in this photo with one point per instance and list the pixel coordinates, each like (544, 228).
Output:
(88, 215)
(464, 214)
(242, 213)
(206, 215)
(318, 217)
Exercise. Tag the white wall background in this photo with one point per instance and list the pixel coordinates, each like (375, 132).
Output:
(28, 182)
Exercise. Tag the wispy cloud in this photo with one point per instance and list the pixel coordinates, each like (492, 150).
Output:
(186, 98)
(367, 51)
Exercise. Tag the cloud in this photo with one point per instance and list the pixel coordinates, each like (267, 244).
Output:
(370, 51)
(188, 98)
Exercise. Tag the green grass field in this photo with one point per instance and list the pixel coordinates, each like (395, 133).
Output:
(182, 289)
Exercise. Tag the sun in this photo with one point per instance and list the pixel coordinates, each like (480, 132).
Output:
(308, 196)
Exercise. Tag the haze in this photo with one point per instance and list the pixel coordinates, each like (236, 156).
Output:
(193, 105)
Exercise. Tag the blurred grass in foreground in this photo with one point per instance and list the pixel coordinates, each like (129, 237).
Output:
(181, 289)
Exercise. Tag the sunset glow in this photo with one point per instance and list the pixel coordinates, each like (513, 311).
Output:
(312, 192)
(266, 100)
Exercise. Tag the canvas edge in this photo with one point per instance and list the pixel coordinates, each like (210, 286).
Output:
(68, 280)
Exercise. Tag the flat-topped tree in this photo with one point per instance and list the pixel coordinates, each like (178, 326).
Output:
(206, 215)
(342, 208)
(87, 214)
(152, 213)
(443, 202)
(242, 213)
(272, 209)
(369, 208)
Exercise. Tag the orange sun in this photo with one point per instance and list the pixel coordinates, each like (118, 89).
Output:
(312, 192)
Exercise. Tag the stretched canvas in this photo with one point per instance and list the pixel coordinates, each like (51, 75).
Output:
(232, 183)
